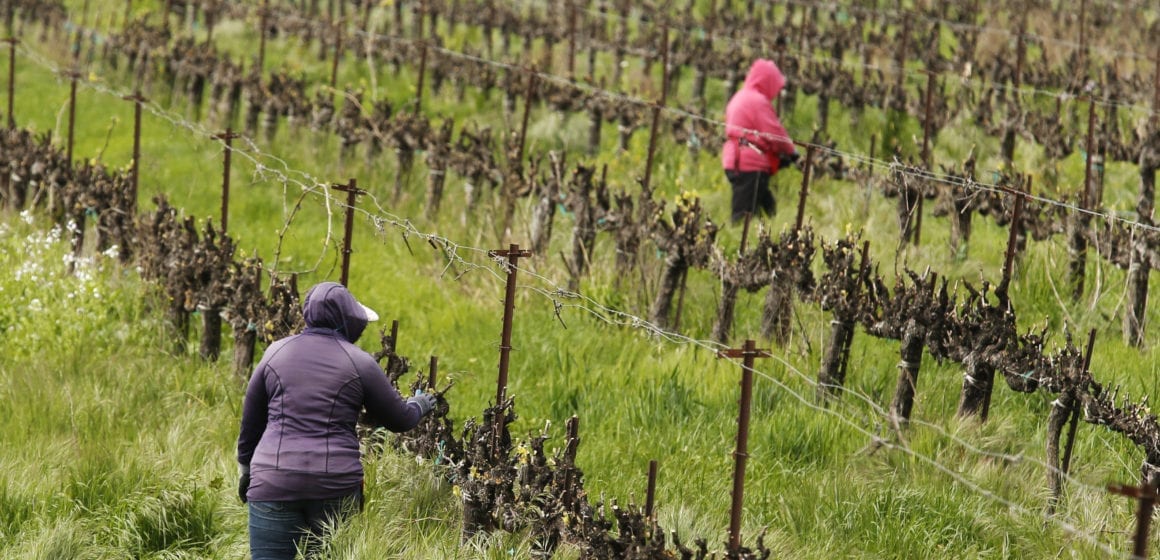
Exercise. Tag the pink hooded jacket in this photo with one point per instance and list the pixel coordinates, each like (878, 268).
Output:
(750, 115)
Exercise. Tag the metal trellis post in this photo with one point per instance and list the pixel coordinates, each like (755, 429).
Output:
(747, 353)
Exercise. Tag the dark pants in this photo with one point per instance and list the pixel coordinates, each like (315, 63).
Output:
(750, 193)
(279, 529)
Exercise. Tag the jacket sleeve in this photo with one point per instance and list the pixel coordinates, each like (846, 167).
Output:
(772, 137)
(384, 404)
(254, 414)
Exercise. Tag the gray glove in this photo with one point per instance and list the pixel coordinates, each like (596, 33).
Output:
(425, 402)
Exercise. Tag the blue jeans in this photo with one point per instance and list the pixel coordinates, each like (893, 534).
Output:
(278, 530)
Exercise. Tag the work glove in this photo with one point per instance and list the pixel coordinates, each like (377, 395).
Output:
(788, 159)
(425, 402)
(243, 482)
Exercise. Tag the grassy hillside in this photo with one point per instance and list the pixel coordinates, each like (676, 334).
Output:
(118, 447)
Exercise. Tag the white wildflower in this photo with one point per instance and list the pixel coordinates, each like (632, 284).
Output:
(26, 217)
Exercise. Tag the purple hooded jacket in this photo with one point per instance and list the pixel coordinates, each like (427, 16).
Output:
(298, 420)
(750, 115)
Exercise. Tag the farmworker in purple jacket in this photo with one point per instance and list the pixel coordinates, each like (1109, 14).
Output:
(756, 144)
(298, 452)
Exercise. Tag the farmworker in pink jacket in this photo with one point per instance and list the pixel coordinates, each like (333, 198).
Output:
(756, 144)
(298, 450)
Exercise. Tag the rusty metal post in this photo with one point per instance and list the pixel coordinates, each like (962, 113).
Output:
(656, 117)
(337, 54)
(352, 191)
(432, 373)
(72, 112)
(226, 137)
(806, 170)
(137, 100)
(12, 41)
(528, 95)
(1065, 463)
(747, 353)
(1146, 496)
(650, 496)
(512, 254)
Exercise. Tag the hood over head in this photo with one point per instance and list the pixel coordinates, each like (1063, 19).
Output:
(329, 305)
(765, 77)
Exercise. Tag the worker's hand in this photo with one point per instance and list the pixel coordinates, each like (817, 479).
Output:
(789, 159)
(425, 402)
(243, 483)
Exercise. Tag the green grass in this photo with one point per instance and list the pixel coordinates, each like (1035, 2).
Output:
(118, 448)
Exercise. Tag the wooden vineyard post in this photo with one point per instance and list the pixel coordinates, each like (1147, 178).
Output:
(352, 191)
(926, 156)
(651, 492)
(337, 55)
(72, 112)
(1083, 54)
(1156, 88)
(422, 74)
(12, 41)
(512, 254)
(657, 108)
(529, 94)
(392, 349)
(366, 18)
(432, 373)
(263, 13)
(1013, 107)
(137, 100)
(514, 176)
(1012, 243)
(1078, 225)
(806, 170)
(226, 137)
(747, 353)
(1146, 495)
(572, 39)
